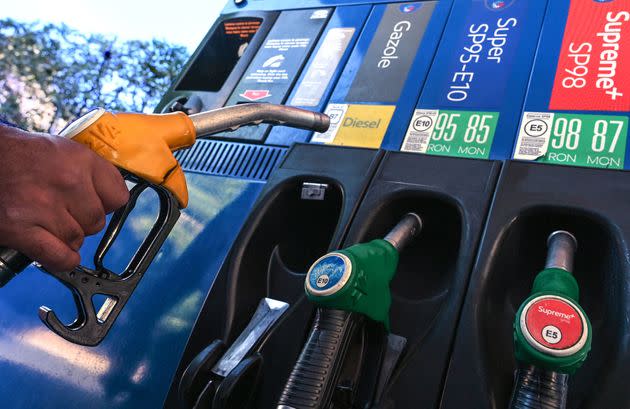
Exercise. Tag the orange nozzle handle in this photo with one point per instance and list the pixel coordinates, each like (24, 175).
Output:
(143, 144)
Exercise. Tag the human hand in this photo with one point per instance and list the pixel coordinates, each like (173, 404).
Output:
(53, 193)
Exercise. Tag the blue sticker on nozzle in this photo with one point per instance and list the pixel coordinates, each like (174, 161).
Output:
(328, 274)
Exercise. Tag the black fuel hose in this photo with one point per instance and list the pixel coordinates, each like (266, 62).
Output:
(536, 388)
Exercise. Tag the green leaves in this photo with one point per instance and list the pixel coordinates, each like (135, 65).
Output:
(51, 74)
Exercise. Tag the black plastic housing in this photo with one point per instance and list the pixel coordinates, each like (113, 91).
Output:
(452, 196)
(209, 77)
(283, 235)
(531, 201)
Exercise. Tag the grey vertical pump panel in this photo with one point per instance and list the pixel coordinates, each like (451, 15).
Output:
(388, 60)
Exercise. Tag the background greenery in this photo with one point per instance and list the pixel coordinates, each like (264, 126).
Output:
(51, 74)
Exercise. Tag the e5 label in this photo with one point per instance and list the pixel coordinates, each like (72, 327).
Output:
(597, 141)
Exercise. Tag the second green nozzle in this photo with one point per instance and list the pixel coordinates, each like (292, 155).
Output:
(357, 278)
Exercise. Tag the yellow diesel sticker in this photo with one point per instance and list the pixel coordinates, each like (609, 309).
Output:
(364, 125)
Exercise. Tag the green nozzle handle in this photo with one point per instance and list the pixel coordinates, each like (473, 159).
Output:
(349, 286)
(551, 330)
(552, 334)
(357, 278)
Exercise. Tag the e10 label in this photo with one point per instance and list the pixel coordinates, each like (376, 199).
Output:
(451, 133)
(572, 139)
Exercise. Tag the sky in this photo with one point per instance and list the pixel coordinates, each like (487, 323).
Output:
(183, 22)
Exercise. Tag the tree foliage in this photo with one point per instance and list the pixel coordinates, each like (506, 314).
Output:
(51, 74)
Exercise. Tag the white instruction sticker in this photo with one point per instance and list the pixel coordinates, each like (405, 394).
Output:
(336, 112)
(534, 135)
(319, 14)
(420, 130)
(323, 67)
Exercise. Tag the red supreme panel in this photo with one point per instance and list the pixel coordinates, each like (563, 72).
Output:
(593, 71)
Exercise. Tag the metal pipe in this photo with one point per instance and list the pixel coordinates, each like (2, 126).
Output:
(233, 117)
(406, 229)
(562, 246)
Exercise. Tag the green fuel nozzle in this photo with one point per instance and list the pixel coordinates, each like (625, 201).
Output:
(347, 286)
(357, 278)
(551, 330)
(552, 334)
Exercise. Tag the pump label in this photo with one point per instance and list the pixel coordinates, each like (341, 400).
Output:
(595, 141)
(591, 75)
(481, 57)
(328, 274)
(387, 62)
(451, 133)
(356, 125)
(554, 323)
(280, 58)
(336, 112)
(480, 70)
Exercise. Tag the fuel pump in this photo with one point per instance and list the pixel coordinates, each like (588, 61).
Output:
(552, 334)
(349, 286)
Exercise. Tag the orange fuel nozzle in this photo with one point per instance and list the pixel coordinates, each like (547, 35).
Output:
(143, 144)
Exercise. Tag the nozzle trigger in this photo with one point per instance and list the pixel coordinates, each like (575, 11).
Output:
(90, 327)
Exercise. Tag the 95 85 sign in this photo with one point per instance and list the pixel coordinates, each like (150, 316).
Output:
(465, 134)
(597, 141)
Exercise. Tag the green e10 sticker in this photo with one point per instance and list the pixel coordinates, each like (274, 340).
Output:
(596, 141)
(463, 134)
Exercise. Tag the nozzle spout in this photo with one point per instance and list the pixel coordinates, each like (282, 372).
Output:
(233, 117)
(406, 229)
(562, 246)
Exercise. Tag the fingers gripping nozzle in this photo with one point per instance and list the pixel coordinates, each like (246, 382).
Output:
(142, 146)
